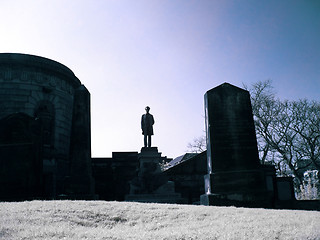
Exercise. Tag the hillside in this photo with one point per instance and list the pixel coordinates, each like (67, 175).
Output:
(122, 220)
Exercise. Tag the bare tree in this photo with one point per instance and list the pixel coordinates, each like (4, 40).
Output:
(307, 126)
(198, 145)
(288, 132)
(265, 108)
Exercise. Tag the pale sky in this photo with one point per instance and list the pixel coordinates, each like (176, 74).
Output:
(166, 54)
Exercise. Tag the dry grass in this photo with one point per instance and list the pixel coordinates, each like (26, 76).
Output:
(122, 220)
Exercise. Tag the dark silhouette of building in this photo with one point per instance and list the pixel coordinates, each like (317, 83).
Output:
(39, 124)
(187, 173)
(45, 148)
(112, 175)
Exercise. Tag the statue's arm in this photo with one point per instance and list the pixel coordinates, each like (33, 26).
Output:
(142, 122)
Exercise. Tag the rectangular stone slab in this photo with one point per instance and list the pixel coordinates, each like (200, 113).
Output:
(231, 139)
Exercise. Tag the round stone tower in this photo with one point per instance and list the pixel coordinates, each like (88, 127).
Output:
(41, 88)
(44, 90)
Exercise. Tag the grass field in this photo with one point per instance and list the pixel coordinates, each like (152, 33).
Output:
(122, 220)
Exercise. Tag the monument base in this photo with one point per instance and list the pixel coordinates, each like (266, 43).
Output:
(256, 200)
(151, 185)
(246, 188)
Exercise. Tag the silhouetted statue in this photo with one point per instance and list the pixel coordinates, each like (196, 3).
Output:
(147, 122)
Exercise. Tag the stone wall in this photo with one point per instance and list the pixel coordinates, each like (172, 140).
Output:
(20, 158)
(113, 175)
(188, 177)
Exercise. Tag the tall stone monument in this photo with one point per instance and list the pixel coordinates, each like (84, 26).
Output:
(235, 175)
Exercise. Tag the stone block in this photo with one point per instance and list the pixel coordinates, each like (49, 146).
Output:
(285, 190)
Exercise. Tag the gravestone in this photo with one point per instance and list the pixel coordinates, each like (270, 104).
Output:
(235, 176)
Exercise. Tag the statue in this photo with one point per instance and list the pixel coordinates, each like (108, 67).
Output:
(147, 122)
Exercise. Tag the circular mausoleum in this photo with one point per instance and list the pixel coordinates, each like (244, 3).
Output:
(40, 89)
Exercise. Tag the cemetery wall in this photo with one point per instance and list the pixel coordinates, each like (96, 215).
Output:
(112, 175)
(188, 177)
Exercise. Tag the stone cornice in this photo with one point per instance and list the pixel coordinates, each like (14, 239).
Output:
(38, 64)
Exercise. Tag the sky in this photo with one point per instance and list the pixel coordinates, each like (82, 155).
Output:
(166, 54)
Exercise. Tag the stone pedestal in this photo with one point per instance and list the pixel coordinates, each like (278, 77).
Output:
(151, 185)
(236, 188)
(235, 176)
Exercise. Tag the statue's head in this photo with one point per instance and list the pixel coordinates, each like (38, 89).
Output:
(147, 108)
